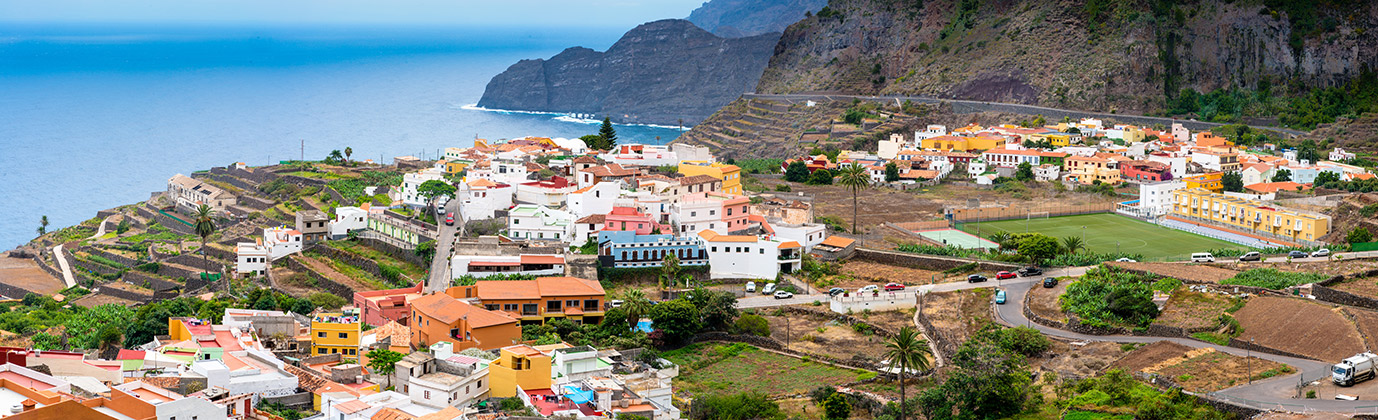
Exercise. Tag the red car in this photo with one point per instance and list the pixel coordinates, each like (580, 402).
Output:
(1004, 275)
(890, 287)
(450, 219)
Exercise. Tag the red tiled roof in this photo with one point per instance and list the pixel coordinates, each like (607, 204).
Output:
(838, 241)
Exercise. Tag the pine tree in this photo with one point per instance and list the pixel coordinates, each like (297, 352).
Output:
(608, 134)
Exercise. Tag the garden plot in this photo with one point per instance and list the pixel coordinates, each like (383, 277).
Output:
(1189, 309)
(1185, 272)
(817, 334)
(957, 315)
(1199, 370)
(1072, 360)
(1307, 328)
(712, 368)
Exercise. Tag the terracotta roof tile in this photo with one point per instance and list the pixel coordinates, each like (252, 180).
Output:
(838, 241)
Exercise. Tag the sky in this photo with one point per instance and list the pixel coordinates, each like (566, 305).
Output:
(625, 13)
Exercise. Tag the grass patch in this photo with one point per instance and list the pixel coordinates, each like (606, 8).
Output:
(1211, 337)
(351, 271)
(731, 368)
(1106, 232)
(315, 175)
(1270, 278)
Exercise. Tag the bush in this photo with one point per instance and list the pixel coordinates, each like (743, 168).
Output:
(783, 188)
(1108, 296)
(745, 406)
(327, 300)
(1274, 279)
(752, 324)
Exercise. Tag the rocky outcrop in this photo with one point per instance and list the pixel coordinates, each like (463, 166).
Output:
(658, 73)
(739, 18)
(1118, 56)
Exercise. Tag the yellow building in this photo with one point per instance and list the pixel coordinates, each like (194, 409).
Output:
(456, 166)
(1248, 215)
(962, 144)
(1056, 139)
(1134, 134)
(730, 175)
(333, 333)
(519, 365)
(1210, 182)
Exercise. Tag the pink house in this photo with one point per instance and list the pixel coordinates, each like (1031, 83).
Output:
(623, 218)
(380, 306)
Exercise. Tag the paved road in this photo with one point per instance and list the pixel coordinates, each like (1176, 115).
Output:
(1340, 255)
(101, 230)
(963, 106)
(439, 278)
(66, 269)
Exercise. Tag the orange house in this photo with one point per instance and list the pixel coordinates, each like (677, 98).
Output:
(537, 301)
(439, 317)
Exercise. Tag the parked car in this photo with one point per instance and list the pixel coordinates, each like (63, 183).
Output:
(751, 287)
(783, 295)
(836, 291)
(770, 288)
(1296, 254)
(975, 278)
(450, 219)
(1202, 257)
(1126, 260)
(1050, 282)
(615, 303)
(1000, 297)
(1030, 271)
(890, 287)
(868, 288)
(1004, 275)
(1251, 256)
(1323, 252)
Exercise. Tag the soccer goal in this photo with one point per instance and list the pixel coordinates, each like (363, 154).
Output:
(1038, 215)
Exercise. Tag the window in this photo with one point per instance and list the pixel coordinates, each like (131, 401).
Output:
(712, 212)
(763, 251)
(516, 221)
(320, 351)
(321, 334)
(715, 249)
(693, 214)
(572, 303)
(427, 395)
(344, 335)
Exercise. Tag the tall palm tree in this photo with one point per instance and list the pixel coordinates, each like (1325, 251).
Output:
(907, 351)
(1072, 244)
(348, 151)
(1000, 238)
(43, 225)
(635, 303)
(855, 178)
(205, 227)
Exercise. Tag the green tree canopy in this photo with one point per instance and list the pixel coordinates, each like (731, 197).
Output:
(1282, 175)
(821, 177)
(677, 319)
(1038, 247)
(1232, 182)
(1359, 235)
(435, 188)
(383, 362)
(608, 134)
(797, 171)
(1024, 172)
(892, 172)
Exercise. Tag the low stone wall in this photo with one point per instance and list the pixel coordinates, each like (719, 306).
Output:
(15, 291)
(1074, 325)
(339, 198)
(323, 283)
(38, 258)
(177, 272)
(1036, 318)
(125, 294)
(944, 345)
(302, 181)
(94, 267)
(1242, 344)
(150, 281)
(145, 212)
(929, 262)
(294, 401)
(395, 251)
(222, 254)
(173, 224)
(196, 261)
(256, 203)
(581, 266)
(1326, 294)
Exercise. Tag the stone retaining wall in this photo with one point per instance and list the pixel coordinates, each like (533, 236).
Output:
(221, 254)
(302, 181)
(395, 251)
(125, 294)
(339, 198)
(177, 272)
(93, 267)
(15, 292)
(1326, 294)
(840, 318)
(150, 281)
(942, 343)
(196, 261)
(294, 401)
(173, 224)
(323, 283)
(38, 258)
(349, 258)
(929, 262)
(123, 260)
(256, 203)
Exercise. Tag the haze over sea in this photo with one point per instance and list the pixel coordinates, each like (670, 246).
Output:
(92, 117)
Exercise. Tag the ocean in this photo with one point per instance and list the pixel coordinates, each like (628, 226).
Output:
(96, 117)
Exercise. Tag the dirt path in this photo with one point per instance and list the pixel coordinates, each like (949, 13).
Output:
(66, 269)
(330, 273)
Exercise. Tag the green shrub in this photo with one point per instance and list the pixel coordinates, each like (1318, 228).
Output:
(1274, 279)
(752, 324)
(1109, 296)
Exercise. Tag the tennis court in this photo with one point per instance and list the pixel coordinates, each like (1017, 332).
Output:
(957, 238)
(1107, 232)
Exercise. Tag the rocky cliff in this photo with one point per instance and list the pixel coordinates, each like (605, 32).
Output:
(739, 18)
(658, 73)
(1129, 56)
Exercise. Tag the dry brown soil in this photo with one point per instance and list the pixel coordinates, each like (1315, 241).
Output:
(1082, 361)
(1214, 371)
(25, 274)
(1362, 287)
(861, 272)
(94, 300)
(821, 335)
(1151, 355)
(1043, 301)
(1330, 268)
(1188, 309)
(1184, 272)
(1294, 325)
(1367, 322)
(957, 315)
(892, 320)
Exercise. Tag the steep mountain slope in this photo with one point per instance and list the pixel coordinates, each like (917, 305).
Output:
(738, 18)
(659, 72)
(1129, 56)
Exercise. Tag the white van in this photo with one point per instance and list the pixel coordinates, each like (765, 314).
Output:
(1202, 257)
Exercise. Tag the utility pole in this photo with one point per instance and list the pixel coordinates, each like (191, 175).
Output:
(303, 150)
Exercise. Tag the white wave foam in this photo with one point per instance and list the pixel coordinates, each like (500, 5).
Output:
(569, 118)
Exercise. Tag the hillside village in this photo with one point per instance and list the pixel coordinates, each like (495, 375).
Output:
(540, 276)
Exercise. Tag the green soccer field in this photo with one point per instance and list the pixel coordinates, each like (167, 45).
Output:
(1104, 231)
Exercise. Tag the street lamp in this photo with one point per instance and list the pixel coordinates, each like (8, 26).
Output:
(1249, 360)
(1083, 235)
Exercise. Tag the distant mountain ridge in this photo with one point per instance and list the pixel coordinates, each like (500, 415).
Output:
(739, 18)
(658, 73)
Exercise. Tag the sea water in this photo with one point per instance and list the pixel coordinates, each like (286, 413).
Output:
(96, 117)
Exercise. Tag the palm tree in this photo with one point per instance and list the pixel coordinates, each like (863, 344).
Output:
(855, 178)
(348, 151)
(43, 225)
(1072, 244)
(205, 227)
(1001, 238)
(907, 351)
(635, 303)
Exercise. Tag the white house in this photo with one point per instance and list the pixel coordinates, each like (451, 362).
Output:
(539, 222)
(281, 241)
(931, 131)
(509, 172)
(890, 149)
(1155, 198)
(408, 194)
(572, 364)
(806, 234)
(587, 227)
(1177, 164)
(593, 199)
(188, 194)
(641, 154)
(440, 389)
(252, 258)
(976, 167)
(168, 405)
(1180, 134)
(692, 152)
(749, 257)
(263, 374)
(539, 265)
(481, 198)
(1258, 173)
(1338, 154)
(1047, 172)
(549, 193)
(349, 219)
